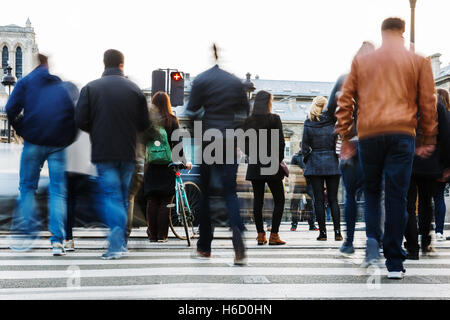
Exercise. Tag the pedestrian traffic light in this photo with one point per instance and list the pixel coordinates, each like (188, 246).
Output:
(177, 88)
(158, 81)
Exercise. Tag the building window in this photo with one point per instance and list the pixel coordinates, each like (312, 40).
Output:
(19, 62)
(287, 149)
(5, 58)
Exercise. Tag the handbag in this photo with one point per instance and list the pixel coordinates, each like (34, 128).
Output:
(285, 169)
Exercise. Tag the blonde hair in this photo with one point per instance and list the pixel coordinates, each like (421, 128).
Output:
(317, 107)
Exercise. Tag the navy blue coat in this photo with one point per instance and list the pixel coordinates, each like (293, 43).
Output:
(48, 110)
(319, 147)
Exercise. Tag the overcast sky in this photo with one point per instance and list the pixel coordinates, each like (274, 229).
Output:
(310, 40)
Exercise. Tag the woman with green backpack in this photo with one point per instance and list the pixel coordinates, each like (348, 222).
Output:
(159, 179)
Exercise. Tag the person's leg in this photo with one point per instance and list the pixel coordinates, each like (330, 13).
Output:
(277, 189)
(114, 211)
(411, 232)
(126, 170)
(295, 207)
(135, 185)
(426, 188)
(332, 183)
(397, 170)
(439, 207)
(73, 181)
(151, 215)
(371, 158)
(31, 161)
(258, 203)
(58, 194)
(317, 184)
(310, 202)
(163, 217)
(349, 178)
(204, 218)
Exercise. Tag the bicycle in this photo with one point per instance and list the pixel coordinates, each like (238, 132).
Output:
(186, 203)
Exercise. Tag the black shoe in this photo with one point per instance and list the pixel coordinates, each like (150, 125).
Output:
(313, 228)
(322, 236)
(412, 255)
(338, 236)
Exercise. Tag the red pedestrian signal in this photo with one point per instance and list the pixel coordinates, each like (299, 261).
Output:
(177, 76)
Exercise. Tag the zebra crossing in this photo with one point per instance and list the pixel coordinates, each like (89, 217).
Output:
(169, 272)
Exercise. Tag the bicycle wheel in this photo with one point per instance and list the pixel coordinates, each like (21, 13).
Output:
(183, 211)
(193, 195)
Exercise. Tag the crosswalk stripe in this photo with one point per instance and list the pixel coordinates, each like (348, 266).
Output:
(183, 261)
(212, 271)
(235, 291)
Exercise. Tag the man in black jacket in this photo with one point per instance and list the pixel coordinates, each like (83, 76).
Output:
(113, 110)
(223, 97)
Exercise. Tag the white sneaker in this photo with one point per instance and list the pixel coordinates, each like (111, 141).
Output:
(440, 237)
(58, 249)
(69, 245)
(396, 275)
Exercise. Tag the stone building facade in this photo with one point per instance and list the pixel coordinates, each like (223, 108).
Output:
(18, 50)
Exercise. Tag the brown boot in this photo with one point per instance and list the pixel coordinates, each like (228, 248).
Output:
(275, 240)
(261, 238)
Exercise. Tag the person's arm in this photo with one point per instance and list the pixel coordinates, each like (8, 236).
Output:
(195, 102)
(345, 104)
(426, 101)
(15, 103)
(83, 111)
(332, 101)
(306, 144)
(282, 143)
(144, 117)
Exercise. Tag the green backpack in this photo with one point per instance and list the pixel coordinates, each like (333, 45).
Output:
(158, 150)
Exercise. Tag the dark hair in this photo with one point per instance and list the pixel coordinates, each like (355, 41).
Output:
(161, 101)
(113, 58)
(43, 59)
(262, 103)
(393, 23)
(443, 97)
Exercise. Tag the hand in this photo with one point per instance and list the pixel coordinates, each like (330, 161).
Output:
(348, 150)
(425, 151)
(446, 174)
(189, 165)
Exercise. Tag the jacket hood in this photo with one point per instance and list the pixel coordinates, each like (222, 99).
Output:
(43, 73)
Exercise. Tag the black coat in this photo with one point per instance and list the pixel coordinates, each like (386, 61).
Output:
(159, 179)
(223, 98)
(113, 110)
(258, 122)
(433, 166)
(297, 159)
(319, 147)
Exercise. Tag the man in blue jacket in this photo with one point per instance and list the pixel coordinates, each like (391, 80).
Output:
(42, 112)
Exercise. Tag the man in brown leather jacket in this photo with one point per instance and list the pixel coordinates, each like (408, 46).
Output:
(396, 99)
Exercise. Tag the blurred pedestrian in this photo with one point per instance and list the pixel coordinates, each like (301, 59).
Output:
(47, 126)
(262, 118)
(391, 85)
(352, 175)
(322, 165)
(113, 110)
(224, 101)
(305, 205)
(438, 196)
(159, 178)
(424, 185)
(80, 176)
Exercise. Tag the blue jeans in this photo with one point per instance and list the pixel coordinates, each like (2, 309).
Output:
(114, 179)
(439, 207)
(352, 177)
(391, 156)
(227, 177)
(31, 163)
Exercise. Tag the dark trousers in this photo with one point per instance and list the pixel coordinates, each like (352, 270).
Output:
(295, 204)
(277, 189)
(439, 207)
(424, 188)
(332, 183)
(227, 177)
(391, 157)
(158, 216)
(352, 176)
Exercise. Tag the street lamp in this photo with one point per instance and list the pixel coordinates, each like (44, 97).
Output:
(412, 4)
(249, 86)
(9, 81)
